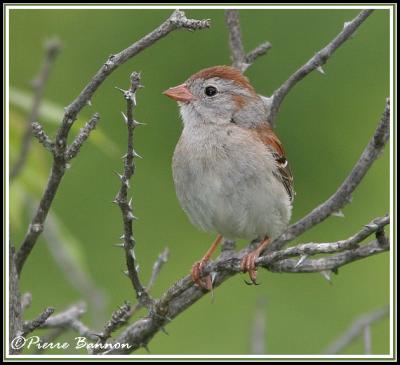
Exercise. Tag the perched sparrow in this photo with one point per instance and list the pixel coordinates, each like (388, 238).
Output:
(230, 171)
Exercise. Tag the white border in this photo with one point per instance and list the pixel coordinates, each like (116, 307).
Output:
(194, 7)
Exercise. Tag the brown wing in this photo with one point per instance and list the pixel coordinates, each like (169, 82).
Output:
(270, 139)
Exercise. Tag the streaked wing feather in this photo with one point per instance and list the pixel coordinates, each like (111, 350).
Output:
(284, 174)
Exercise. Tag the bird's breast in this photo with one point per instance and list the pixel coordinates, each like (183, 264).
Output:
(226, 184)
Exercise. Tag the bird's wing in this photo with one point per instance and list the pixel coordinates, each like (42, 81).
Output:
(270, 139)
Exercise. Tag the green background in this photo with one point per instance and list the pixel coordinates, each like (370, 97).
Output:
(325, 123)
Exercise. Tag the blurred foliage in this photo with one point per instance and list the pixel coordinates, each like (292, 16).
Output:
(325, 123)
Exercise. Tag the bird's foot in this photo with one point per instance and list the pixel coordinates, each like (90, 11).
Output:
(196, 273)
(248, 264)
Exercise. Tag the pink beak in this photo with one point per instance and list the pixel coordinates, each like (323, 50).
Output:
(180, 93)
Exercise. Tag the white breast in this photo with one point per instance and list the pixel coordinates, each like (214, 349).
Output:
(226, 184)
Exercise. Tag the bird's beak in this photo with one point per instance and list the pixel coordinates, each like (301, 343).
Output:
(180, 93)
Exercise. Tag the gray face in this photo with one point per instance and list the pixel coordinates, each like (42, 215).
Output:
(217, 101)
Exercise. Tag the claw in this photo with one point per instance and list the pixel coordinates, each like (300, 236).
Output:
(196, 276)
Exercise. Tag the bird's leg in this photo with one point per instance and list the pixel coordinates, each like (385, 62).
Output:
(198, 266)
(248, 263)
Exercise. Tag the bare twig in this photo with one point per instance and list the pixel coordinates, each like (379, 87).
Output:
(327, 263)
(258, 329)
(260, 50)
(161, 260)
(14, 300)
(30, 326)
(52, 48)
(157, 266)
(69, 319)
(121, 199)
(82, 136)
(175, 21)
(239, 58)
(235, 38)
(356, 329)
(317, 61)
(42, 137)
(309, 249)
(119, 318)
(26, 301)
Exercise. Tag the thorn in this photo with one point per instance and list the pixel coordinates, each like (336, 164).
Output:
(345, 24)
(164, 330)
(126, 272)
(321, 70)
(130, 203)
(136, 123)
(135, 154)
(146, 348)
(125, 117)
(137, 268)
(132, 253)
(327, 275)
(126, 183)
(372, 226)
(124, 156)
(121, 177)
(338, 213)
(131, 217)
(120, 245)
(122, 90)
(213, 276)
(133, 98)
(89, 102)
(115, 201)
(67, 166)
(122, 237)
(301, 260)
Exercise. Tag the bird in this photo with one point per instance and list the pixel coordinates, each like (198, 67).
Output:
(229, 168)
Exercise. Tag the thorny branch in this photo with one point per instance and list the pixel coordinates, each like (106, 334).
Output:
(176, 21)
(316, 62)
(122, 197)
(239, 58)
(52, 47)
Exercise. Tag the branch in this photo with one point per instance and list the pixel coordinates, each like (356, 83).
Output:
(317, 61)
(185, 293)
(118, 318)
(239, 58)
(342, 196)
(309, 249)
(327, 263)
(52, 48)
(30, 326)
(356, 329)
(82, 136)
(41, 136)
(157, 266)
(69, 319)
(175, 21)
(122, 197)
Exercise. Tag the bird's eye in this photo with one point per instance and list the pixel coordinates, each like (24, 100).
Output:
(210, 90)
